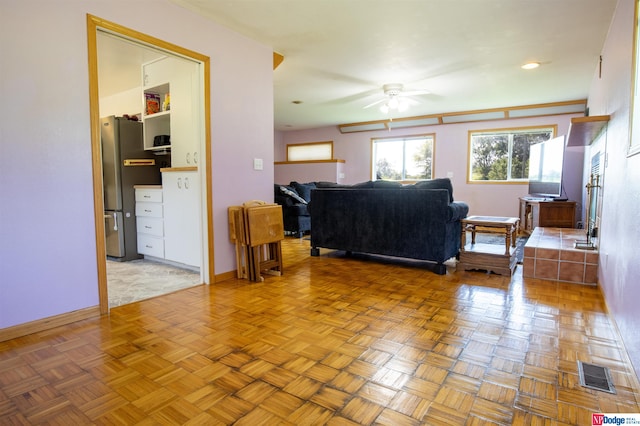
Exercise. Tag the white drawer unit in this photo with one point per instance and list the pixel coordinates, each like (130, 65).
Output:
(150, 225)
(150, 245)
(149, 195)
(149, 209)
(150, 221)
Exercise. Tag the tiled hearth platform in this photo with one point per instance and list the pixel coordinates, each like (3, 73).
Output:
(550, 254)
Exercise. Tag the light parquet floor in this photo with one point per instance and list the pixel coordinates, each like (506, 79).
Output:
(336, 341)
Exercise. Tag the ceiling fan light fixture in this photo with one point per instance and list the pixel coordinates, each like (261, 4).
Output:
(530, 65)
(395, 99)
(394, 103)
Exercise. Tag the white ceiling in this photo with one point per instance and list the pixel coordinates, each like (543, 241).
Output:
(339, 53)
(120, 63)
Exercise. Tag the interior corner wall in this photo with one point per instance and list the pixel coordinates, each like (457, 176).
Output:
(48, 263)
(618, 269)
(279, 147)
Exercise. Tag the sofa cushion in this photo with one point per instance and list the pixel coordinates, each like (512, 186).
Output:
(298, 209)
(303, 189)
(292, 193)
(325, 184)
(386, 184)
(367, 184)
(440, 183)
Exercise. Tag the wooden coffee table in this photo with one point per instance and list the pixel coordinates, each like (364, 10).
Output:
(497, 258)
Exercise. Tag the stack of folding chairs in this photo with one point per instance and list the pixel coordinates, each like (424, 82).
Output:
(257, 230)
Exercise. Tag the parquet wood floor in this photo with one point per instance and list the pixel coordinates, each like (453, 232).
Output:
(335, 340)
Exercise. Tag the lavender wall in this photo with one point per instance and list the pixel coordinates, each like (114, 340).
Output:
(308, 172)
(450, 157)
(619, 269)
(47, 243)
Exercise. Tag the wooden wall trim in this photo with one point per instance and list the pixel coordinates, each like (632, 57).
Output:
(225, 276)
(43, 324)
(277, 60)
(309, 161)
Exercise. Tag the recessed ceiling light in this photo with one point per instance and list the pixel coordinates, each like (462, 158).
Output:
(530, 65)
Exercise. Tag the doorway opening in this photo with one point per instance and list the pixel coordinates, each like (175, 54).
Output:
(189, 73)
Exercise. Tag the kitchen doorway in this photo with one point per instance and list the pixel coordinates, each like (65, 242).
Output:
(120, 94)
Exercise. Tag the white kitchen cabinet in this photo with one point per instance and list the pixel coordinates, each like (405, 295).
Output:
(185, 119)
(149, 220)
(181, 200)
(156, 77)
(158, 124)
(185, 129)
(179, 79)
(157, 72)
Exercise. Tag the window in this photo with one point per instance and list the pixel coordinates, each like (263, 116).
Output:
(312, 151)
(409, 158)
(503, 155)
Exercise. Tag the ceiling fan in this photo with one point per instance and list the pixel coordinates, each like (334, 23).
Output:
(396, 99)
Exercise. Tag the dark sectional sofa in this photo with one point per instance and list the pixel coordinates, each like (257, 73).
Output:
(420, 221)
(294, 199)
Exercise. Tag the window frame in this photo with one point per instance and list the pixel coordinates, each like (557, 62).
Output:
(511, 131)
(292, 146)
(372, 162)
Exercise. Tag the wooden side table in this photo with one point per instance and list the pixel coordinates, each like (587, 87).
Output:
(546, 214)
(500, 259)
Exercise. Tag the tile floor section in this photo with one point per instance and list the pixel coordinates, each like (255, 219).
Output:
(336, 340)
(550, 254)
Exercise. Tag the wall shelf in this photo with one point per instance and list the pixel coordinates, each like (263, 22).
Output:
(584, 130)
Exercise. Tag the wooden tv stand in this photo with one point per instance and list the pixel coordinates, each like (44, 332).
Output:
(535, 212)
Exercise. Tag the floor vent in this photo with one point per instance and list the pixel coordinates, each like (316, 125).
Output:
(595, 377)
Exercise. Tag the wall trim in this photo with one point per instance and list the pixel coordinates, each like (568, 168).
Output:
(506, 113)
(225, 276)
(335, 160)
(43, 324)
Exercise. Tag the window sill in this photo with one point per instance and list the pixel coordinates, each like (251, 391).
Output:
(335, 160)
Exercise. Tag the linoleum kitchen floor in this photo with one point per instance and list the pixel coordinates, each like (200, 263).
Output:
(336, 340)
(143, 279)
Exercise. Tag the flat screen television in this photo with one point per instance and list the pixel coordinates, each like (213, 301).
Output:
(545, 168)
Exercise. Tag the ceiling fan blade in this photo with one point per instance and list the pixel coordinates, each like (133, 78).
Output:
(411, 101)
(375, 103)
(415, 92)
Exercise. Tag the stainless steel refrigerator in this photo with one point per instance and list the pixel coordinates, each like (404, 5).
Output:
(125, 163)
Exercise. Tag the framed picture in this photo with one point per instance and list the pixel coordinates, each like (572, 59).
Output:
(634, 145)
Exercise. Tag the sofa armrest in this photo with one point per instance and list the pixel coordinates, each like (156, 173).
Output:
(457, 210)
(283, 200)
